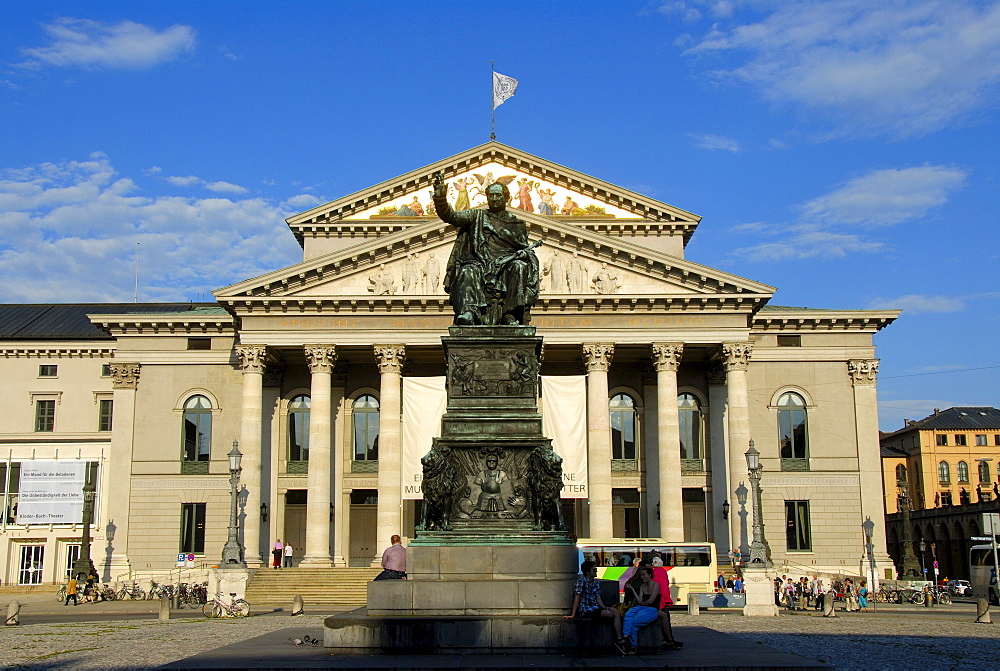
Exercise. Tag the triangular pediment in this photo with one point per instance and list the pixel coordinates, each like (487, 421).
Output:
(407, 266)
(537, 186)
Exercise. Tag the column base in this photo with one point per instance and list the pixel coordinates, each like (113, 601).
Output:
(759, 587)
(339, 562)
(118, 569)
(316, 562)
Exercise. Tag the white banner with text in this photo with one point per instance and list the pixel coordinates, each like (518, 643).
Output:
(51, 492)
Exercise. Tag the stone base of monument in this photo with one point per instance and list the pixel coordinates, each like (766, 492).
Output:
(356, 633)
(758, 583)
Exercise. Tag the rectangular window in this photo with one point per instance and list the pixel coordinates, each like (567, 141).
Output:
(48, 370)
(960, 439)
(946, 498)
(199, 343)
(45, 415)
(980, 439)
(789, 341)
(105, 413)
(72, 554)
(916, 441)
(11, 483)
(996, 438)
(106, 370)
(32, 565)
(941, 439)
(193, 528)
(797, 526)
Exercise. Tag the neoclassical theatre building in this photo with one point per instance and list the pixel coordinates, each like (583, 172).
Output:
(657, 373)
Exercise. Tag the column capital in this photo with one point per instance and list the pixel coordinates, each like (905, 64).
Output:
(390, 358)
(321, 358)
(124, 375)
(597, 356)
(253, 358)
(863, 372)
(716, 375)
(667, 356)
(736, 355)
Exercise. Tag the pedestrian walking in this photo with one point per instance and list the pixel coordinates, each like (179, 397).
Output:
(863, 595)
(71, 591)
(276, 553)
(288, 550)
(818, 592)
(850, 596)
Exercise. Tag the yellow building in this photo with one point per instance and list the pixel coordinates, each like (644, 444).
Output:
(948, 458)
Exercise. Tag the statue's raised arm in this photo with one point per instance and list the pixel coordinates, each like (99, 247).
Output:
(492, 274)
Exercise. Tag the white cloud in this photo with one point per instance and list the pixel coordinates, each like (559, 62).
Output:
(190, 180)
(303, 201)
(918, 303)
(879, 198)
(886, 197)
(225, 187)
(902, 68)
(715, 142)
(86, 43)
(68, 233)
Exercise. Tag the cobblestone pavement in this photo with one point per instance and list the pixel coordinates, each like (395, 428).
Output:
(893, 640)
(135, 644)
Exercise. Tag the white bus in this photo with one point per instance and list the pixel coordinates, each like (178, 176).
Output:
(692, 567)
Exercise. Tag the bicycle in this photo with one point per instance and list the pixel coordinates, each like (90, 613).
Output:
(134, 592)
(217, 607)
(61, 594)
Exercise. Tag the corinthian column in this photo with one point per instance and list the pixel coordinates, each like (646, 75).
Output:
(390, 502)
(666, 360)
(597, 359)
(118, 472)
(321, 359)
(253, 361)
(864, 373)
(735, 361)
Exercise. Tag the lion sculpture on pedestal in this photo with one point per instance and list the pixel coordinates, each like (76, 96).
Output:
(438, 486)
(545, 481)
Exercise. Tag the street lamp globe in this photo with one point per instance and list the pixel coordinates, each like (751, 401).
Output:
(235, 456)
(753, 458)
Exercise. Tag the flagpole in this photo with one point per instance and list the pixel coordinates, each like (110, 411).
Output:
(493, 109)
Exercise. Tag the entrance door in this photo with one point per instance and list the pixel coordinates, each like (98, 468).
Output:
(295, 530)
(364, 518)
(695, 525)
(32, 563)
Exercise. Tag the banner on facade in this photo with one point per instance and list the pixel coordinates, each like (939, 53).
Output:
(424, 402)
(564, 420)
(51, 492)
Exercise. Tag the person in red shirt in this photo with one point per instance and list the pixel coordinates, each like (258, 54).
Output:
(661, 578)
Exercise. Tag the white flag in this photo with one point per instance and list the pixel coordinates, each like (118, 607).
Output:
(503, 88)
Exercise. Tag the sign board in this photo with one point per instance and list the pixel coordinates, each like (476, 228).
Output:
(51, 492)
(181, 557)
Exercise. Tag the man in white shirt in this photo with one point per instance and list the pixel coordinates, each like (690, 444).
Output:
(288, 554)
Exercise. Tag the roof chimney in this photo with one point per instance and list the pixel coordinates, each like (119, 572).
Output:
(937, 410)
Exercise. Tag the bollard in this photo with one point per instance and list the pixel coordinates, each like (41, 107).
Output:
(175, 600)
(164, 608)
(828, 605)
(983, 611)
(298, 607)
(694, 607)
(928, 598)
(13, 614)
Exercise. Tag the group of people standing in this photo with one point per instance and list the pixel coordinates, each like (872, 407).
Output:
(798, 595)
(646, 600)
(281, 554)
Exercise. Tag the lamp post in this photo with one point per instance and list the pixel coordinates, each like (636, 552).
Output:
(232, 552)
(760, 553)
(923, 549)
(869, 528)
(83, 563)
(907, 563)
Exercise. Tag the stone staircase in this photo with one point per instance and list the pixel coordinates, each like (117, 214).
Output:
(337, 588)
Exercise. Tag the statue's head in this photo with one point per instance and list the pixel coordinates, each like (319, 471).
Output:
(491, 462)
(497, 195)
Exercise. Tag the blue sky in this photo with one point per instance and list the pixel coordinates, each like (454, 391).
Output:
(844, 151)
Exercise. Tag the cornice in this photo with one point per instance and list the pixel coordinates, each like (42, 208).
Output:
(869, 321)
(343, 208)
(158, 325)
(30, 351)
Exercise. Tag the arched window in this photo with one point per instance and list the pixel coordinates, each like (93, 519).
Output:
(793, 434)
(298, 427)
(963, 472)
(944, 473)
(197, 429)
(624, 427)
(365, 417)
(901, 473)
(691, 434)
(984, 472)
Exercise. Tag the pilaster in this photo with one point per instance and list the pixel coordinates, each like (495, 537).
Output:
(735, 362)
(118, 478)
(253, 361)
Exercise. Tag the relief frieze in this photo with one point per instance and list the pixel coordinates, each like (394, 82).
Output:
(442, 322)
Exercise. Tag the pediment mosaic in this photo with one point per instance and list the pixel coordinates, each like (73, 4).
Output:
(527, 193)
